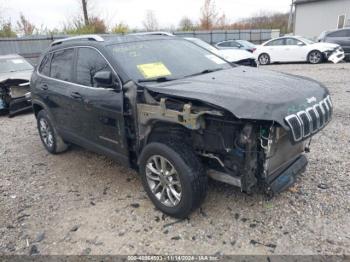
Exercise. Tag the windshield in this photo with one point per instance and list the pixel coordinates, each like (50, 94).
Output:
(306, 41)
(203, 44)
(167, 58)
(10, 65)
(245, 43)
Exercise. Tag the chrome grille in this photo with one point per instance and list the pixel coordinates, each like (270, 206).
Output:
(305, 123)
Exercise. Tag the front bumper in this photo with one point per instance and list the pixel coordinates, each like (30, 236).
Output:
(336, 55)
(282, 180)
(247, 62)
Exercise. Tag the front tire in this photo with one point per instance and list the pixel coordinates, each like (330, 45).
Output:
(51, 140)
(173, 177)
(315, 57)
(264, 59)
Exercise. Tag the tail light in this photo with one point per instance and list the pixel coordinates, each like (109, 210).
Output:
(253, 50)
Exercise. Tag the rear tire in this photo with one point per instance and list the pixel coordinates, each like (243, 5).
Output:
(51, 140)
(264, 59)
(315, 57)
(179, 195)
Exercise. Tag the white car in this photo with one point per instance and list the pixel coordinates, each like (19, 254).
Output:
(237, 56)
(297, 49)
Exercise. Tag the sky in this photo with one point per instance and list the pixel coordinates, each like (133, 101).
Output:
(54, 13)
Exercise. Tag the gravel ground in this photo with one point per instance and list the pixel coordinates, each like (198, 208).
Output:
(83, 203)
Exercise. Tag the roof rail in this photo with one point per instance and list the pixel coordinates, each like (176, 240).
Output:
(96, 38)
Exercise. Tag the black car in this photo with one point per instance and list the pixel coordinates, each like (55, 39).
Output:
(177, 114)
(340, 37)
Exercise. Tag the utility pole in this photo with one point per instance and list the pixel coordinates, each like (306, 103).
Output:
(85, 11)
(290, 20)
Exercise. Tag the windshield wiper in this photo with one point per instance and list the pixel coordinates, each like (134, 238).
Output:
(206, 71)
(158, 80)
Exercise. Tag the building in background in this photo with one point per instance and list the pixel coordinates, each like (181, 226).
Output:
(312, 17)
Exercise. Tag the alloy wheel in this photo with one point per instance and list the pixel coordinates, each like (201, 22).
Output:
(46, 132)
(315, 57)
(164, 181)
(264, 59)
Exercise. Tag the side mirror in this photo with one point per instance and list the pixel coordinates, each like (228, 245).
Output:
(105, 79)
(300, 44)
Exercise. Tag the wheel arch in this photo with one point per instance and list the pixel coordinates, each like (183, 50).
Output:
(264, 53)
(160, 130)
(312, 50)
(38, 106)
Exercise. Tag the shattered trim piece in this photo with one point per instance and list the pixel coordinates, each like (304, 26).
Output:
(186, 117)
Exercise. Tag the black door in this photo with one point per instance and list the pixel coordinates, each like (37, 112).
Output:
(59, 87)
(101, 107)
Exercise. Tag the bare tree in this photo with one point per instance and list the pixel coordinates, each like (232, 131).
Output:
(25, 26)
(264, 20)
(186, 24)
(150, 23)
(208, 15)
(222, 23)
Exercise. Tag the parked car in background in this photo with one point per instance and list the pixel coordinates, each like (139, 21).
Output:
(236, 56)
(297, 49)
(178, 114)
(15, 73)
(236, 44)
(340, 37)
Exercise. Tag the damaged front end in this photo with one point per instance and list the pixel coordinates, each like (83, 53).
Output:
(335, 55)
(15, 96)
(245, 153)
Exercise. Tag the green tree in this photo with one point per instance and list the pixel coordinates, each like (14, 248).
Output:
(77, 26)
(120, 28)
(6, 30)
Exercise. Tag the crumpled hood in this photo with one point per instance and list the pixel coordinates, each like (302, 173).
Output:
(23, 75)
(249, 93)
(325, 46)
(235, 55)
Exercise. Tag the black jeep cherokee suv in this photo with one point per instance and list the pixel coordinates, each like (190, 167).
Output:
(178, 114)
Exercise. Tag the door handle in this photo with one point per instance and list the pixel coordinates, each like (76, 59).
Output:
(76, 95)
(44, 87)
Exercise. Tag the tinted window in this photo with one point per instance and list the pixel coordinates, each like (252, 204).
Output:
(89, 63)
(235, 44)
(341, 33)
(276, 42)
(62, 65)
(45, 65)
(225, 44)
(293, 41)
(230, 44)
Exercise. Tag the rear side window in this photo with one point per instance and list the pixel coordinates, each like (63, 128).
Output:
(88, 64)
(62, 65)
(230, 44)
(45, 65)
(277, 42)
(225, 44)
(293, 41)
